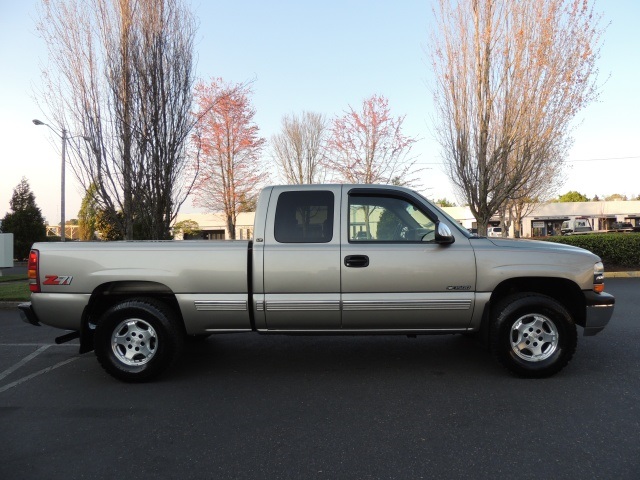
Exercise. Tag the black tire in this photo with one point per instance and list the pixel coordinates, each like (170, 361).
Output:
(136, 340)
(532, 335)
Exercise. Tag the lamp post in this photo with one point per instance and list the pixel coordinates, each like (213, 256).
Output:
(64, 138)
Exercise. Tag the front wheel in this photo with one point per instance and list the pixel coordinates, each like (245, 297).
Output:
(533, 335)
(136, 340)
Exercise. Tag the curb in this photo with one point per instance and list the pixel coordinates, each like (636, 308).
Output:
(9, 305)
(621, 274)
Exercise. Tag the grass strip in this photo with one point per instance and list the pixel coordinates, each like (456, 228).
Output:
(14, 292)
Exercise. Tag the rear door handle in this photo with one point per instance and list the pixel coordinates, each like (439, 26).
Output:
(356, 261)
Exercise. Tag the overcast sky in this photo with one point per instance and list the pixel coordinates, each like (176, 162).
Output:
(323, 57)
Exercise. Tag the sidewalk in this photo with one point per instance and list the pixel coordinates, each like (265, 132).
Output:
(19, 268)
(621, 274)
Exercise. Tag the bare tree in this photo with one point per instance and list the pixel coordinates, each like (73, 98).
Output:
(298, 150)
(538, 190)
(229, 168)
(510, 78)
(369, 147)
(121, 75)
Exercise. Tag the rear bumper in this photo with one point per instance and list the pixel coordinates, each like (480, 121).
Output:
(599, 311)
(28, 315)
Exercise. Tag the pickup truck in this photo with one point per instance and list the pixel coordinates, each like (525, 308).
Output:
(325, 259)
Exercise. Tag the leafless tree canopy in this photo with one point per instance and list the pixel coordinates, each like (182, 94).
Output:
(121, 75)
(299, 148)
(511, 75)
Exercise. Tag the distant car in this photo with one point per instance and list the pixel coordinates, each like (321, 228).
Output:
(622, 227)
(576, 226)
(494, 232)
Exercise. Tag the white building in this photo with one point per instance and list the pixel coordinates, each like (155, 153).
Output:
(213, 226)
(546, 219)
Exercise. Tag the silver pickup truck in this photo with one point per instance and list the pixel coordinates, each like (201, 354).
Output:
(325, 259)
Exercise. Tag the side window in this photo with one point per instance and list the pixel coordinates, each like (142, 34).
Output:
(304, 217)
(388, 219)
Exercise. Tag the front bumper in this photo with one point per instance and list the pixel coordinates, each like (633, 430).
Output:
(28, 315)
(599, 311)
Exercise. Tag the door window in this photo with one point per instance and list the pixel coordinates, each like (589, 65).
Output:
(388, 219)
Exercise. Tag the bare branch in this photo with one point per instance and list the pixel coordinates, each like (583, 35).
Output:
(510, 78)
(299, 149)
(121, 74)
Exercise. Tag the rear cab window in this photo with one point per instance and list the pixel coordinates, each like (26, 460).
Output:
(304, 217)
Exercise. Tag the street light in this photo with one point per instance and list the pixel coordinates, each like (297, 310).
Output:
(62, 172)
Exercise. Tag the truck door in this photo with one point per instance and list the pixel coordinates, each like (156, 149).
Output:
(394, 275)
(301, 259)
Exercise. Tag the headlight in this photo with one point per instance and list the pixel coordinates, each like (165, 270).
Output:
(598, 277)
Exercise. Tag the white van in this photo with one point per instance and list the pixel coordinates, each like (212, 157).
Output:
(494, 232)
(578, 225)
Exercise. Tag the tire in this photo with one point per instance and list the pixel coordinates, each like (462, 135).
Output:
(138, 339)
(532, 335)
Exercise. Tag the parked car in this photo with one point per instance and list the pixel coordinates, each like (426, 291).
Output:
(494, 232)
(622, 227)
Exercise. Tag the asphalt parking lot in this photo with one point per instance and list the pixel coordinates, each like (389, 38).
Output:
(251, 406)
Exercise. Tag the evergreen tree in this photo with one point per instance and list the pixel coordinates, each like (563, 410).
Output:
(25, 221)
(88, 214)
(387, 226)
(573, 196)
(108, 223)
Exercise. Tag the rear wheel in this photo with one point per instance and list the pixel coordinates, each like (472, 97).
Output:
(533, 335)
(136, 340)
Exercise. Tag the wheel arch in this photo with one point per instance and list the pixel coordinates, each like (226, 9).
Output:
(109, 294)
(564, 291)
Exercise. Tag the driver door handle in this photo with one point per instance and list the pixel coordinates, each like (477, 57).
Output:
(356, 261)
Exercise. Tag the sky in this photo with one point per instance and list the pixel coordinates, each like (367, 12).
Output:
(323, 57)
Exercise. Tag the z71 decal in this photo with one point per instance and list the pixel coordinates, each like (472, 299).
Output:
(57, 280)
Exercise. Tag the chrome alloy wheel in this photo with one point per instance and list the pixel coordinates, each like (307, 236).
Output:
(134, 342)
(534, 337)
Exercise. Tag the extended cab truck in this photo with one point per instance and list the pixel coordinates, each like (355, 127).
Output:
(325, 259)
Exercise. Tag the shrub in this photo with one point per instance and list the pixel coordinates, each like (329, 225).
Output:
(615, 249)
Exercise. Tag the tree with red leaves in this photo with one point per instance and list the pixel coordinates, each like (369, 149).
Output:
(369, 147)
(229, 167)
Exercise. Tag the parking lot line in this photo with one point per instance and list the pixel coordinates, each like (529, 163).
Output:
(36, 374)
(26, 359)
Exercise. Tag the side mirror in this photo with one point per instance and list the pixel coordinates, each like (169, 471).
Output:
(444, 235)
